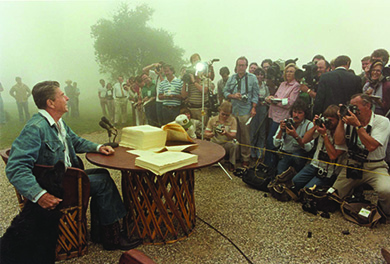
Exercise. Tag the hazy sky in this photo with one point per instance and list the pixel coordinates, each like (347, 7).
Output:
(51, 39)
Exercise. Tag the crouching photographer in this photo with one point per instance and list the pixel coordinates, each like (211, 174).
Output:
(289, 137)
(320, 171)
(364, 135)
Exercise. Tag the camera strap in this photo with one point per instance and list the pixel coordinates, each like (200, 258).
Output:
(239, 83)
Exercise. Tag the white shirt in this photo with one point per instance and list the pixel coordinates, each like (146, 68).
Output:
(380, 131)
(117, 90)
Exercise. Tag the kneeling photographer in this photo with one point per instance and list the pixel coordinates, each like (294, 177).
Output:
(365, 136)
(320, 172)
(289, 137)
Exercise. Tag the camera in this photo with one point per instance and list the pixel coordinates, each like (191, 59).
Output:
(344, 110)
(275, 74)
(309, 74)
(322, 121)
(244, 98)
(355, 174)
(289, 123)
(220, 128)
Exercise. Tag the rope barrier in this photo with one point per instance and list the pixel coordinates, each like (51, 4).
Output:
(307, 158)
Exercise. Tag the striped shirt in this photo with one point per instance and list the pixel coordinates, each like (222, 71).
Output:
(171, 88)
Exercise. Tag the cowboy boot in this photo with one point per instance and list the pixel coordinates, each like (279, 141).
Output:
(113, 239)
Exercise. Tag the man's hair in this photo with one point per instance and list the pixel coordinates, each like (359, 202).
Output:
(193, 56)
(18, 78)
(366, 58)
(381, 53)
(342, 60)
(168, 66)
(269, 61)
(101, 80)
(226, 106)
(43, 91)
(299, 105)
(259, 71)
(365, 97)
(289, 66)
(253, 63)
(318, 57)
(242, 58)
(224, 70)
(331, 111)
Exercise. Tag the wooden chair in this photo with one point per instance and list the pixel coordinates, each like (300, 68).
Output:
(72, 239)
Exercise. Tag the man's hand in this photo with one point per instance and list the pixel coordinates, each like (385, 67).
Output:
(253, 111)
(48, 201)
(106, 150)
(351, 119)
(321, 129)
(236, 96)
(292, 132)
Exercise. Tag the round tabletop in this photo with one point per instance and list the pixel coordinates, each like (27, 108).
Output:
(208, 153)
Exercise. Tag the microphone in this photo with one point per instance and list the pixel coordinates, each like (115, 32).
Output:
(108, 128)
(214, 60)
(104, 125)
(105, 120)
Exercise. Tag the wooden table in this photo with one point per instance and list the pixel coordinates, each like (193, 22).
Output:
(161, 209)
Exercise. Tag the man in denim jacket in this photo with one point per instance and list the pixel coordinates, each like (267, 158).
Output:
(46, 139)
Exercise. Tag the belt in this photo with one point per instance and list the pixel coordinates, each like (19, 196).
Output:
(370, 161)
(171, 106)
(120, 97)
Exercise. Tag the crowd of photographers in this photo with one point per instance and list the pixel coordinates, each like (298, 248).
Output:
(276, 113)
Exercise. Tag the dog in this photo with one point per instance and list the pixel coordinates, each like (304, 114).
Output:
(33, 234)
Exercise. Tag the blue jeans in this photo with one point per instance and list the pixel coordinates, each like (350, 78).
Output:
(169, 114)
(258, 131)
(307, 178)
(287, 161)
(106, 203)
(159, 106)
(271, 159)
(151, 115)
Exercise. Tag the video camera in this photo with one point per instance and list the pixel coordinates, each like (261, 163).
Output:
(344, 110)
(274, 73)
(309, 75)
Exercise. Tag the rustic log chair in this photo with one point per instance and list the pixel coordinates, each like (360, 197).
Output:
(72, 239)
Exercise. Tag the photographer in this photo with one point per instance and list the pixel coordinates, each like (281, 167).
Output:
(155, 72)
(243, 90)
(319, 172)
(365, 136)
(222, 129)
(288, 138)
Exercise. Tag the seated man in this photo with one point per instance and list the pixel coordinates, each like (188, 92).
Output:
(318, 172)
(46, 139)
(365, 136)
(222, 129)
(289, 137)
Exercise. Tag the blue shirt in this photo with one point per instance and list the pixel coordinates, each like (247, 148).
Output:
(39, 143)
(171, 88)
(242, 107)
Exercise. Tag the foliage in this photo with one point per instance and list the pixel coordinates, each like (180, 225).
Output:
(125, 44)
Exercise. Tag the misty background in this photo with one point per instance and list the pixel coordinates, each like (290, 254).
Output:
(51, 40)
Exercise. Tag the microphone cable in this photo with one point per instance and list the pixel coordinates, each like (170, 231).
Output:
(228, 239)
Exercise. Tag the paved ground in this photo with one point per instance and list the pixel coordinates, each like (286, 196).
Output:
(247, 223)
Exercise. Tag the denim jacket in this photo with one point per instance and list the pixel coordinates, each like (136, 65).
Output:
(38, 143)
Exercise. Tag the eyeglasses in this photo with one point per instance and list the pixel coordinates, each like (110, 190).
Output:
(377, 71)
(223, 114)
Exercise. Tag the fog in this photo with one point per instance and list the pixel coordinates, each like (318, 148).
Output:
(51, 39)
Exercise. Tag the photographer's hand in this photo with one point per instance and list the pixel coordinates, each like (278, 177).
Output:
(351, 119)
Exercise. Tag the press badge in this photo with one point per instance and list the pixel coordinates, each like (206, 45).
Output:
(364, 212)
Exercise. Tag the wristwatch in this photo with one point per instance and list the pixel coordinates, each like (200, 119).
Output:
(358, 127)
(296, 138)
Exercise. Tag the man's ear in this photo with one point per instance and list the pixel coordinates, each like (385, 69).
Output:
(50, 103)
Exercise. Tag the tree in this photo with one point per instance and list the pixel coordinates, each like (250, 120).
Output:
(126, 44)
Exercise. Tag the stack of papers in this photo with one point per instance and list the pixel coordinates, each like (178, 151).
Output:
(160, 163)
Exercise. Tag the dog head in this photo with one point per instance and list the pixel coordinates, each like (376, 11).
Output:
(51, 179)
